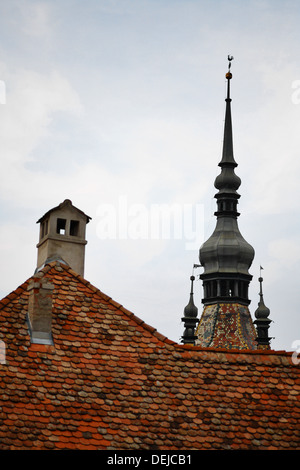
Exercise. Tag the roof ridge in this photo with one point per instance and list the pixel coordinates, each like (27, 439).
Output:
(109, 299)
(14, 294)
(23, 287)
(54, 264)
(245, 355)
(141, 322)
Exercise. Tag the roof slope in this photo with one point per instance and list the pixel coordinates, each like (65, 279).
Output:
(112, 382)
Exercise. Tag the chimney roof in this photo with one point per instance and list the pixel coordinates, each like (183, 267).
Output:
(66, 202)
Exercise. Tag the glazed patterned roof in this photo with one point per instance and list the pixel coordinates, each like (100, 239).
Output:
(226, 325)
(110, 381)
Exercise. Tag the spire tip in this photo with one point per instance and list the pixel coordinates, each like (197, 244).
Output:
(229, 74)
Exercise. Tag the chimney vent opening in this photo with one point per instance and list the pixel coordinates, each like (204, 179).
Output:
(74, 228)
(61, 226)
(44, 228)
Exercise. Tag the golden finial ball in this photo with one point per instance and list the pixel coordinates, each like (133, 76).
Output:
(228, 75)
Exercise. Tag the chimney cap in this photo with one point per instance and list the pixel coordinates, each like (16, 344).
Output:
(66, 202)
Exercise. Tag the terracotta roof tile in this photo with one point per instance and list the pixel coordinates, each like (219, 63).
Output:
(110, 381)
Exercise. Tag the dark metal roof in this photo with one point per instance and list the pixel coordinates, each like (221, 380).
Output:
(226, 251)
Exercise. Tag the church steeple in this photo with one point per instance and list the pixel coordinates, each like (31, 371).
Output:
(227, 182)
(226, 258)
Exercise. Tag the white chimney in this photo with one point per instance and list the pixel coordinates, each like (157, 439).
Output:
(62, 236)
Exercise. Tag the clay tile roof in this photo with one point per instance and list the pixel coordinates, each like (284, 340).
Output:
(110, 381)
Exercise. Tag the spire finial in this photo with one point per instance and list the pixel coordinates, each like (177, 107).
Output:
(260, 270)
(229, 77)
(230, 58)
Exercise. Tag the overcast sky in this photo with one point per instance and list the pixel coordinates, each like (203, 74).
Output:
(119, 106)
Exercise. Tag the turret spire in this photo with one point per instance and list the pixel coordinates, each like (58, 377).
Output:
(190, 318)
(227, 182)
(227, 156)
(262, 322)
(226, 258)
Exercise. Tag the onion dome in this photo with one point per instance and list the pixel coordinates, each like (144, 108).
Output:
(262, 312)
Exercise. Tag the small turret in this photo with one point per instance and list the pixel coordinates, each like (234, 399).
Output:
(190, 318)
(262, 322)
